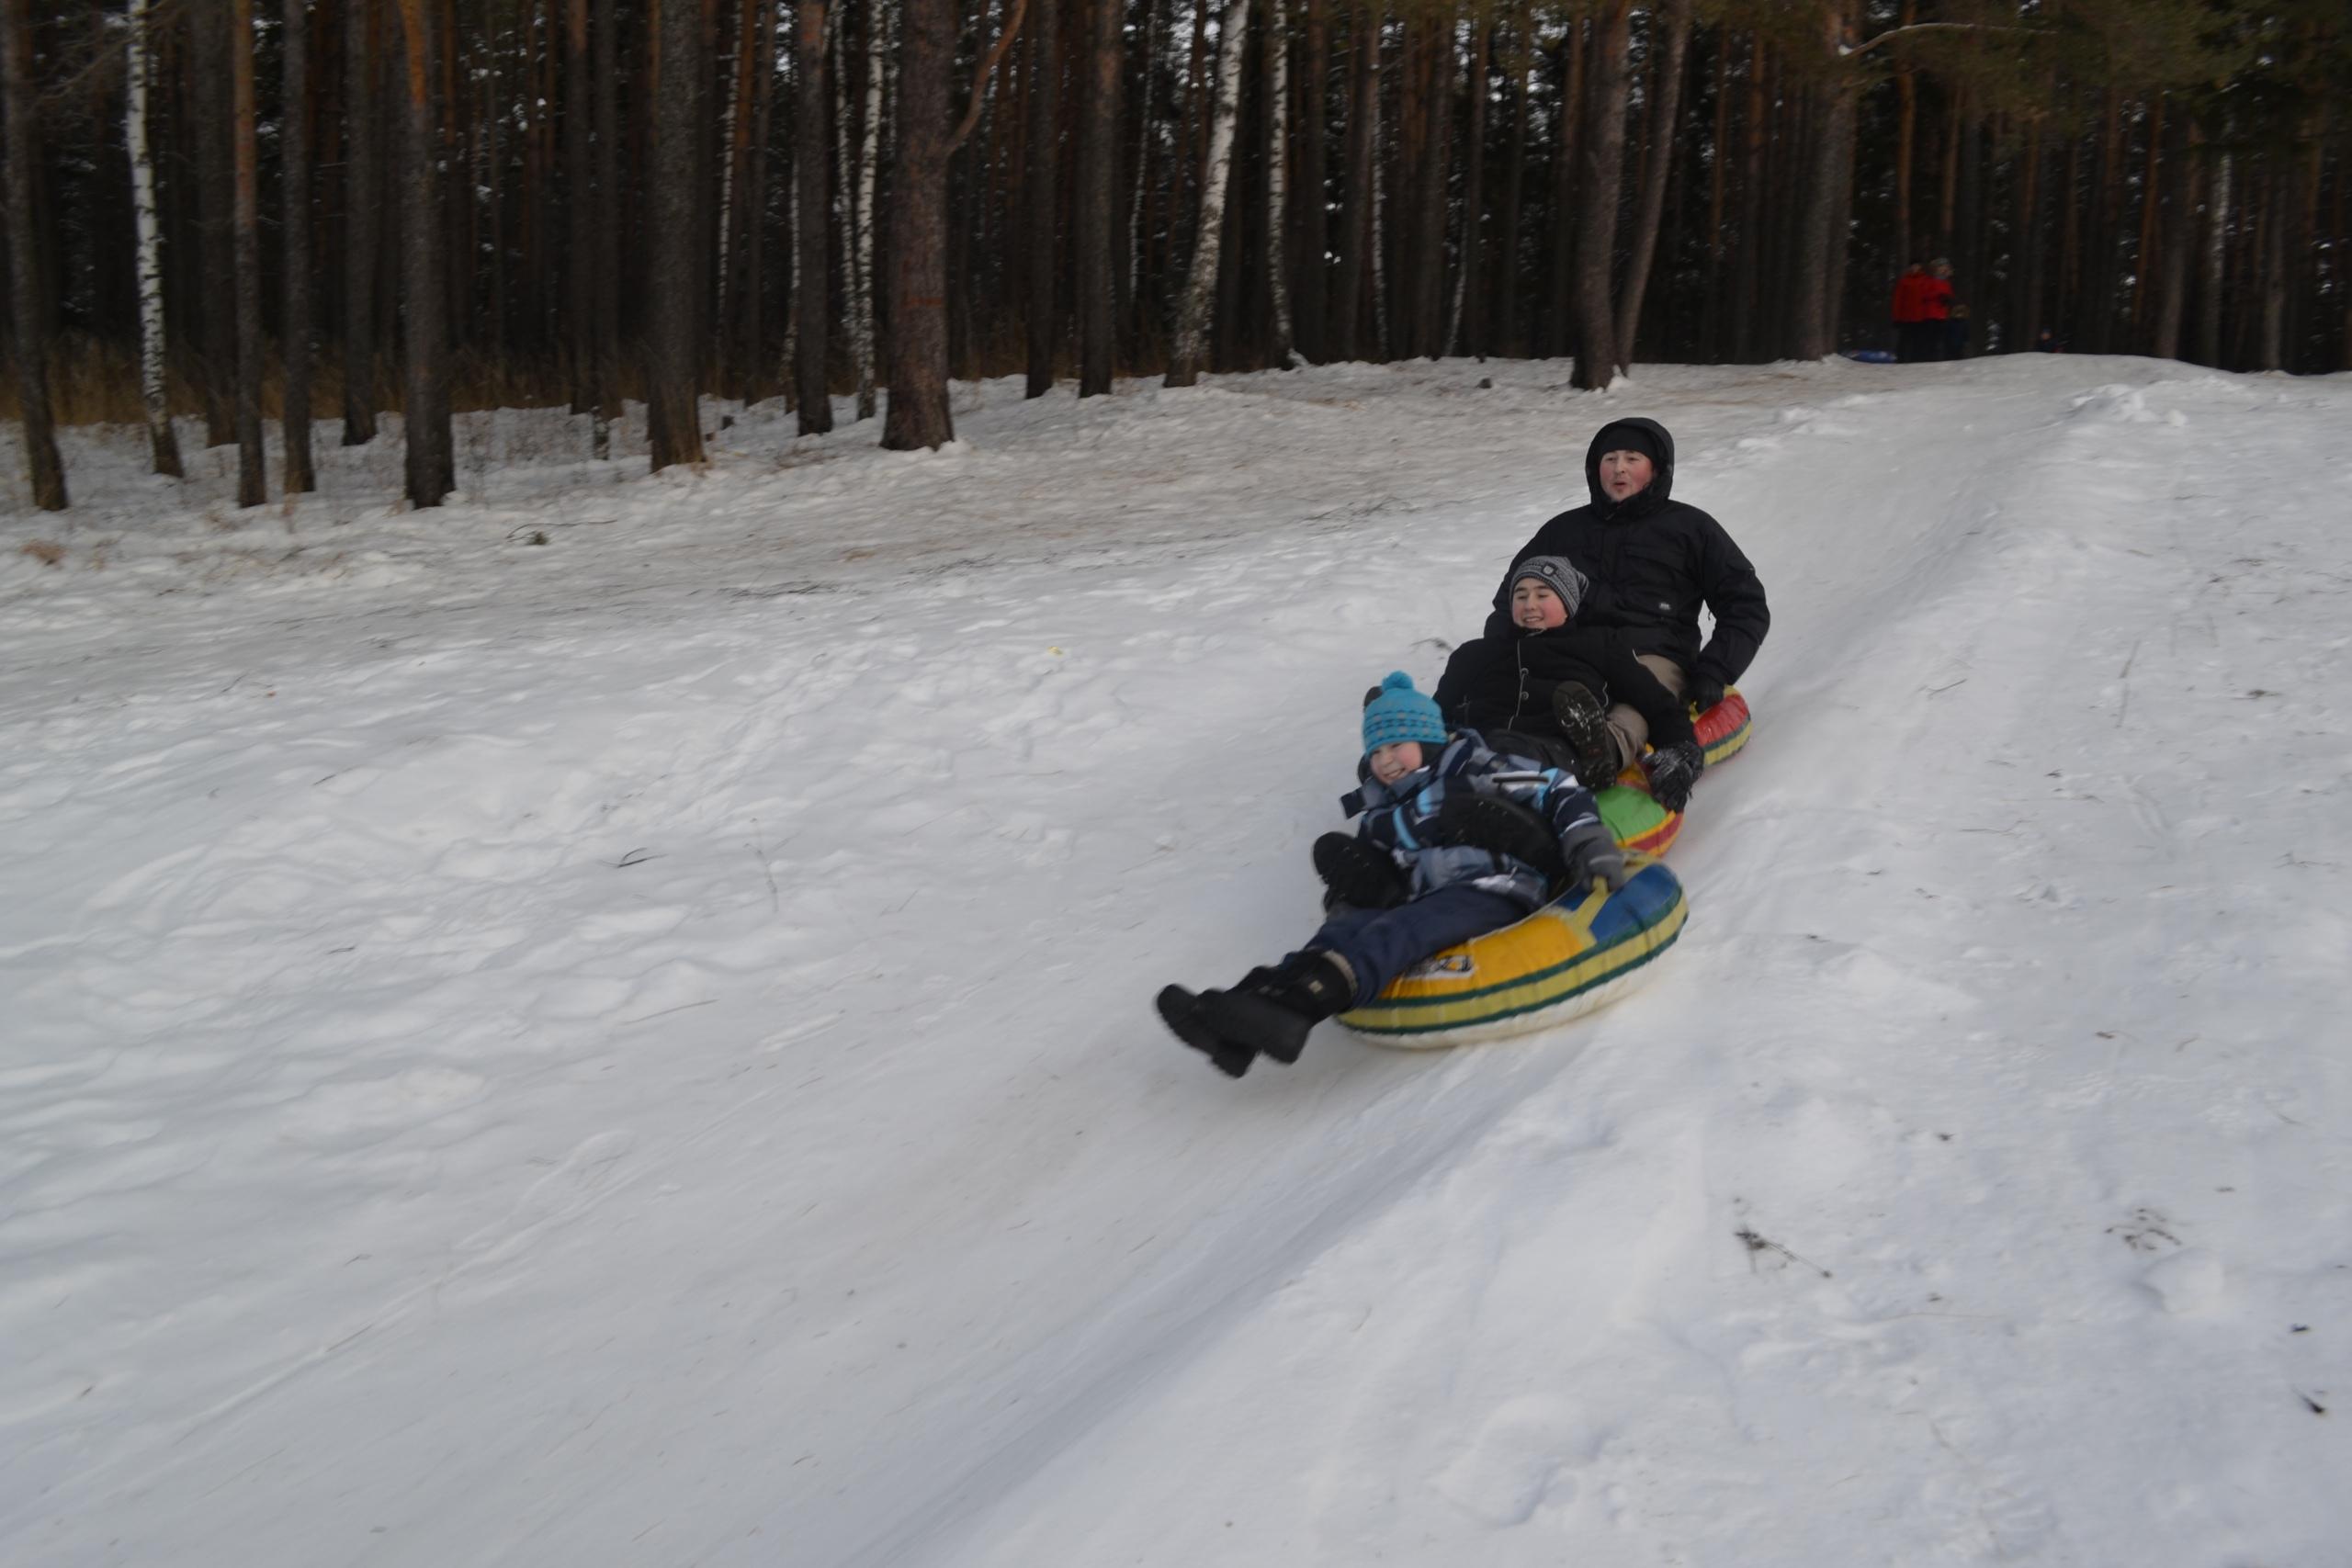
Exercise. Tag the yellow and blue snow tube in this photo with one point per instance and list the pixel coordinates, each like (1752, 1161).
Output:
(1574, 954)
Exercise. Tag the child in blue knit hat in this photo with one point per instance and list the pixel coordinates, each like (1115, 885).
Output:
(1455, 840)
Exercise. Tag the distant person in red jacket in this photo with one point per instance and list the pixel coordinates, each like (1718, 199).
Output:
(1909, 312)
(1941, 332)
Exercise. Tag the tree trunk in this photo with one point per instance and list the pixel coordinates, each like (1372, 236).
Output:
(1040, 192)
(1277, 202)
(673, 333)
(1906, 134)
(880, 29)
(1132, 249)
(430, 456)
(41, 464)
(1568, 225)
(213, 112)
(918, 415)
(1748, 275)
(2278, 233)
(253, 482)
(1469, 282)
(1831, 183)
(1503, 332)
(2217, 255)
(811, 219)
(1200, 281)
(1355, 209)
(1314, 175)
(1604, 171)
(1097, 141)
(163, 442)
(1711, 342)
(1656, 167)
(735, 143)
(604, 349)
(2173, 297)
(294, 143)
(580, 265)
(363, 204)
(755, 199)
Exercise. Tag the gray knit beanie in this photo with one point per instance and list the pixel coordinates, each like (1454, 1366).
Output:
(1555, 574)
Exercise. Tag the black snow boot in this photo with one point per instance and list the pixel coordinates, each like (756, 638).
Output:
(1187, 1015)
(1584, 723)
(1357, 872)
(1272, 1009)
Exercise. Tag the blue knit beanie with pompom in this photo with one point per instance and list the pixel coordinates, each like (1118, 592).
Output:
(1398, 713)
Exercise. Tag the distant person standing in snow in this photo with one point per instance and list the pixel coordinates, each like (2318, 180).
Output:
(1909, 312)
(1652, 562)
(1944, 335)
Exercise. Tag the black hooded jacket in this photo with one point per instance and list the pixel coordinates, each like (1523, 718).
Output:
(1506, 683)
(1653, 561)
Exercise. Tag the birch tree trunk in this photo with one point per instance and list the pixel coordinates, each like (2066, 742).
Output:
(253, 481)
(41, 464)
(1656, 168)
(1277, 203)
(812, 168)
(430, 460)
(918, 413)
(294, 143)
(1200, 281)
(163, 442)
(1040, 195)
(673, 336)
(363, 202)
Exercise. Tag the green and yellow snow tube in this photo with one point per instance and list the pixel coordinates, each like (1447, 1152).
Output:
(1641, 824)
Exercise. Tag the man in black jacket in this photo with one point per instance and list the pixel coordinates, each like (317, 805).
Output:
(1653, 560)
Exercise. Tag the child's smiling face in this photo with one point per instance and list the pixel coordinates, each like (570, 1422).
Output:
(1394, 760)
(1534, 607)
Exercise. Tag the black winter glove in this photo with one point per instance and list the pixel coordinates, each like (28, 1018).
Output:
(1705, 692)
(1590, 851)
(1673, 771)
(1483, 822)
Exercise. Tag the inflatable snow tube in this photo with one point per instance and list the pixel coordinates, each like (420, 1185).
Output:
(1723, 729)
(1569, 957)
(1641, 824)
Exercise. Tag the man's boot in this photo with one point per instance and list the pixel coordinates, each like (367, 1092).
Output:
(1584, 724)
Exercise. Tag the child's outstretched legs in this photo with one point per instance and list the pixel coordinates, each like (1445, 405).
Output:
(1350, 961)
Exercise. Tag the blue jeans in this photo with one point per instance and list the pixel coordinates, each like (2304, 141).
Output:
(1380, 944)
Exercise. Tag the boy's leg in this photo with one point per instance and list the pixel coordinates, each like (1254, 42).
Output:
(1631, 730)
(1380, 944)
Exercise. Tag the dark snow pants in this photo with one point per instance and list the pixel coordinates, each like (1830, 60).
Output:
(1380, 944)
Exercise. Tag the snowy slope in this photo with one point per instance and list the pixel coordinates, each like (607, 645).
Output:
(637, 1049)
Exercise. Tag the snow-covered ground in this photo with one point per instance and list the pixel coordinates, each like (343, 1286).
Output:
(635, 1049)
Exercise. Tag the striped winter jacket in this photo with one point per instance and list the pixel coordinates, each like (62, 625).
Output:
(1400, 817)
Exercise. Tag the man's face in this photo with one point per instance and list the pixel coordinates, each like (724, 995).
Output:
(1534, 607)
(1394, 760)
(1625, 473)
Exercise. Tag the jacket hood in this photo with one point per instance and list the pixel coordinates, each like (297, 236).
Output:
(1661, 487)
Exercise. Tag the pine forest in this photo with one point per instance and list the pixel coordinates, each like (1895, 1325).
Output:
(244, 210)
